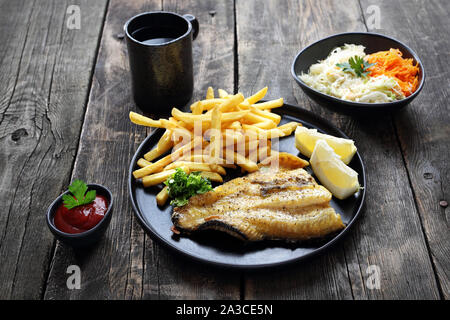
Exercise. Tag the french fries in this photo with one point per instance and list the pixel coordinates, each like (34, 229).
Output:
(144, 121)
(197, 108)
(270, 104)
(191, 118)
(212, 176)
(143, 163)
(196, 166)
(162, 196)
(210, 93)
(165, 143)
(219, 133)
(257, 96)
(160, 164)
(216, 136)
(160, 177)
(222, 93)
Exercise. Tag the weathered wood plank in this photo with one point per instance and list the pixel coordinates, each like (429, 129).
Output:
(126, 264)
(213, 49)
(113, 268)
(388, 234)
(176, 278)
(423, 128)
(45, 71)
(269, 36)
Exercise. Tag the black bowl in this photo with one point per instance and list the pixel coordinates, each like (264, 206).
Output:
(373, 42)
(90, 236)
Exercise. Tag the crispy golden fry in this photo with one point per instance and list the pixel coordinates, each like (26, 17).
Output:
(231, 137)
(267, 124)
(196, 166)
(198, 108)
(144, 121)
(222, 93)
(265, 114)
(165, 141)
(269, 104)
(245, 163)
(200, 158)
(244, 105)
(240, 160)
(226, 104)
(208, 104)
(216, 134)
(163, 146)
(182, 136)
(153, 154)
(235, 125)
(218, 168)
(143, 163)
(192, 166)
(231, 103)
(289, 127)
(190, 118)
(170, 125)
(205, 158)
(258, 121)
(177, 124)
(210, 93)
(257, 96)
(152, 168)
(212, 176)
(154, 179)
(162, 196)
(160, 177)
(263, 134)
(160, 164)
(260, 153)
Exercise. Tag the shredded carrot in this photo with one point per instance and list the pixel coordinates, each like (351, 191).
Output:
(391, 64)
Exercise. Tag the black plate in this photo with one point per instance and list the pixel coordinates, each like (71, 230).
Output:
(223, 250)
(373, 42)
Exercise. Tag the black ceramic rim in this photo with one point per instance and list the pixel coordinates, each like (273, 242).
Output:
(58, 200)
(125, 28)
(354, 103)
(154, 235)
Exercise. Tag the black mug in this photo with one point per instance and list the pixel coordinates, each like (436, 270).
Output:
(160, 53)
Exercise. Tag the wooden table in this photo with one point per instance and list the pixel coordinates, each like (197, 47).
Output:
(64, 103)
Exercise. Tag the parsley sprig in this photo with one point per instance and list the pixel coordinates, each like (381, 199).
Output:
(79, 196)
(183, 186)
(357, 66)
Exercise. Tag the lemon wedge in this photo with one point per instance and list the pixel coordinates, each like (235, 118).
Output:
(305, 140)
(338, 178)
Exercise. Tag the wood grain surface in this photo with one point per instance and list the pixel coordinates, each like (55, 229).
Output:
(388, 234)
(64, 102)
(45, 71)
(127, 264)
(423, 128)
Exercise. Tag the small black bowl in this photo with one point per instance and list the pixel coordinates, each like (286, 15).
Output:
(373, 42)
(90, 236)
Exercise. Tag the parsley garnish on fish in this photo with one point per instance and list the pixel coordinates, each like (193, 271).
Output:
(79, 196)
(183, 186)
(357, 66)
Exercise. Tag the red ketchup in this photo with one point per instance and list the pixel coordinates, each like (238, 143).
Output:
(81, 218)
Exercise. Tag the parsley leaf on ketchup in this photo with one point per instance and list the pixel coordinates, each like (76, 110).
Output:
(78, 189)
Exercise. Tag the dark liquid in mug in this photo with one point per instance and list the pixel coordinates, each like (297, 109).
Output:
(156, 35)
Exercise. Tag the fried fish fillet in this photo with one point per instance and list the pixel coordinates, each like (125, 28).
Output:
(277, 204)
